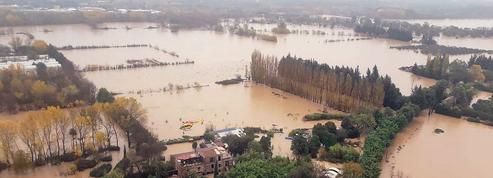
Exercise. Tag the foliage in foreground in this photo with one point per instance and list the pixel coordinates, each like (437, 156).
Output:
(379, 139)
(253, 165)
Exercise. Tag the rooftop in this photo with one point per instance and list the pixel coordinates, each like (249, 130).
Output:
(208, 152)
(230, 131)
(28, 64)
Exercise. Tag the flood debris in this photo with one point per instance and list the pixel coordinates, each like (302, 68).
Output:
(233, 81)
(438, 131)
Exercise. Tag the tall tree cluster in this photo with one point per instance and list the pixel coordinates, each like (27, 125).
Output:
(53, 133)
(58, 134)
(478, 69)
(342, 88)
(435, 68)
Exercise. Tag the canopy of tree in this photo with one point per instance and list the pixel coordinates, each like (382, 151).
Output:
(458, 71)
(376, 29)
(342, 88)
(254, 165)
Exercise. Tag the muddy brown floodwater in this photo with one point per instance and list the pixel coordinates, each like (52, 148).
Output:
(463, 150)
(220, 56)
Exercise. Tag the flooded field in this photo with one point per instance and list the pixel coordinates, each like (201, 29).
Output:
(220, 56)
(461, 151)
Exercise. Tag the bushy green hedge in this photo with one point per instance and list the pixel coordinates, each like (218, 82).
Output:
(323, 116)
(379, 139)
(479, 112)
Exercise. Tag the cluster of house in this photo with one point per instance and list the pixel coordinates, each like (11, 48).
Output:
(214, 157)
(28, 64)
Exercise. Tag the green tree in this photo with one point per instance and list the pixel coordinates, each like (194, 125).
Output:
(209, 135)
(303, 169)
(364, 122)
(325, 133)
(255, 146)
(458, 71)
(463, 94)
(265, 142)
(300, 146)
(314, 146)
(115, 173)
(104, 96)
(237, 145)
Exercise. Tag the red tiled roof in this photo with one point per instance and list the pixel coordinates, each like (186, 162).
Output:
(208, 153)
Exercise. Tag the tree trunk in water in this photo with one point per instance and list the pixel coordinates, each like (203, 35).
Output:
(63, 143)
(116, 135)
(32, 154)
(93, 138)
(128, 138)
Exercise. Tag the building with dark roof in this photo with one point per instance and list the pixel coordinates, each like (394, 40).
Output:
(203, 161)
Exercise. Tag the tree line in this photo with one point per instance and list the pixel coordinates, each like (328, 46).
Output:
(379, 31)
(439, 68)
(342, 88)
(180, 19)
(52, 135)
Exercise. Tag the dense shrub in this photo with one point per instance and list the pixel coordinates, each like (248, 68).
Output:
(339, 153)
(83, 164)
(100, 171)
(68, 157)
(106, 158)
(124, 164)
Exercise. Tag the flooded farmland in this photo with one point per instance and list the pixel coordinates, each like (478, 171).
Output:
(220, 56)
